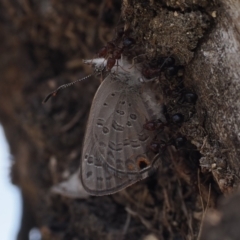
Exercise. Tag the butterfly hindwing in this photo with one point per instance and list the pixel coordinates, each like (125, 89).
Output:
(115, 152)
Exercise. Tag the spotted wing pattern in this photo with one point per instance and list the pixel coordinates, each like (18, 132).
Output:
(115, 152)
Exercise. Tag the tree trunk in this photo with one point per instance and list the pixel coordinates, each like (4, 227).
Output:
(42, 46)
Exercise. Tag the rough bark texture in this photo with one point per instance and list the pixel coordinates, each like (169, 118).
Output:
(42, 46)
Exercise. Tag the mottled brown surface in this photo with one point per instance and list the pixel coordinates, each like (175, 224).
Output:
(42, 46)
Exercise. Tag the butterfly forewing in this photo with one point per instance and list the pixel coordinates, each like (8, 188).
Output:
(115, 152)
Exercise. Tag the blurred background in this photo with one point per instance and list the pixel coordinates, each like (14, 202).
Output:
(42, 46)
(10, 201)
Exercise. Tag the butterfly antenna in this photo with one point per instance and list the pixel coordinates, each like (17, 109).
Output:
(54, 93)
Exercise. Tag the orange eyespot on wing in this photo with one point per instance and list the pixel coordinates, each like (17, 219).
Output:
(142, 162)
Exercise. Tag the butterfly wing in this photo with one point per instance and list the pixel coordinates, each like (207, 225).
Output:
(115, 152)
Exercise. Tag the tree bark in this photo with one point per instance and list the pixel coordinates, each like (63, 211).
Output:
(42, 46)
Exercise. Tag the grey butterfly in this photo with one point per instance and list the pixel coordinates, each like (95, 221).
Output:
(115, 152)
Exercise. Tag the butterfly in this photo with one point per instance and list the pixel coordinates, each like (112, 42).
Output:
(115, 151)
